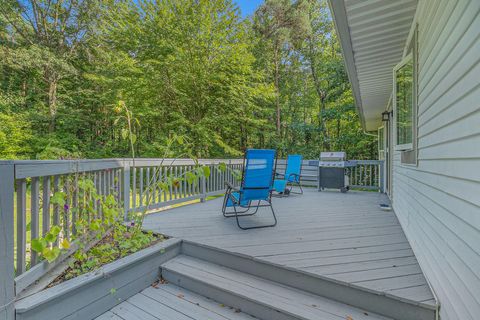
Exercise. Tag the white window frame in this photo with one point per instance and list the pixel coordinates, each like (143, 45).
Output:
(405, 146)
(381, 148)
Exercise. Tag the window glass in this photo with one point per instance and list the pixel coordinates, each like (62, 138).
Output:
(404, 103)
(381, 144)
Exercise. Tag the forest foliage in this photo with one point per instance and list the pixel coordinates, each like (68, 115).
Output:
(192, 68)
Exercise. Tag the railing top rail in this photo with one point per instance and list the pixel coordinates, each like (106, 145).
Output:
(40, 168)
(26, 162)
(368, 161)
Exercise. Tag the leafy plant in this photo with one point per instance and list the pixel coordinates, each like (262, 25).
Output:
(46, 246)
(116, 238)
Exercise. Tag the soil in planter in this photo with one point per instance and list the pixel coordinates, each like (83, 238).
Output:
(107, 250)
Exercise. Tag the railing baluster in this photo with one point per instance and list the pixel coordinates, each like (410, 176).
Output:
(134, 188)
(185, 183)
(46, 205)
(147, 186)
(125, 190)
(188, 185)
(34, 222)
(170, 189)
(108, 182)
(114, 181)
(208, 182)
(159, 181)
(154, 186)
(111, 186)
(118, 185)
(214, 178)
(21, 225)
(180, 183)
(66, 211)
(99, 187)
(75, 203)
(140, 201)
(56, 209)
(96, 184)
(370, 169)
(175, 186)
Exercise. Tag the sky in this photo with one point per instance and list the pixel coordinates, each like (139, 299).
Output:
(248, 6)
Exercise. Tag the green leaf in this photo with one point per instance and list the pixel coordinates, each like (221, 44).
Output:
(51, 254)
(65, 244)
(180, 140)
(58, 198)
(191, 177)
(134, 138)
(38, 245)
(124, 133)
(95, 225)
(206, 171)
(163, 186)
(55, 230)
(49, 237)
(222, 166)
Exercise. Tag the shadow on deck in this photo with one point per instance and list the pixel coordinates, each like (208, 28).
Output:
(345, 237)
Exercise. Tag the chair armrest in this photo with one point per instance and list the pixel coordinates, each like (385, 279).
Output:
(231, 186)
(294, 175)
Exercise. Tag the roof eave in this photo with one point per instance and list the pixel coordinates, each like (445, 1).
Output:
(339, 15)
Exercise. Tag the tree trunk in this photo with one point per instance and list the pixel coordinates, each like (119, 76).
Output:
(277, 88)
(52, 104)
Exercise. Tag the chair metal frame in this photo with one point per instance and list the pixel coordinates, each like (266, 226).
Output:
(237, 203)
(290, 184)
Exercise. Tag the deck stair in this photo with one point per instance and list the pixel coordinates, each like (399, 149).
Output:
(261, 298)
(269, 291)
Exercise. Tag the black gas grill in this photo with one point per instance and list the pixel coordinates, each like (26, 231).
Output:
(332, 171)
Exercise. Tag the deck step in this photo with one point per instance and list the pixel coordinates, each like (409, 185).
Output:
(373, 301)
(256, 296)
(167, 301)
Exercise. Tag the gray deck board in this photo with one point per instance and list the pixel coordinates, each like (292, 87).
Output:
(128, 311)
(109, 316)
(297, 302)
(317, 232)
(167, 302)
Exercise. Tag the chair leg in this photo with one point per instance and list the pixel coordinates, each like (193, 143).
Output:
(257, 227)
(232, 214)
(240, 213)
(298, 185)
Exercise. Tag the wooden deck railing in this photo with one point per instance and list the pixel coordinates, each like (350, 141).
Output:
(367, 174)
(26, 210)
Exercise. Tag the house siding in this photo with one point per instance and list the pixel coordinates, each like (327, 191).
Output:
(438, 200)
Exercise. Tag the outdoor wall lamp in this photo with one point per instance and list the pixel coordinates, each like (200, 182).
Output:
(386, 116)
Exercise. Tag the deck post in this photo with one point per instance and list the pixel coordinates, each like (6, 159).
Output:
(382, 175)
(7, 286)
(126, 189)
(203, 188)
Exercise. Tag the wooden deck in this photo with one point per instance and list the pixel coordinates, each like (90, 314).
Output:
(341, 236)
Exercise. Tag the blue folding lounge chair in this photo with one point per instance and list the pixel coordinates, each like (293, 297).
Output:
(284, 183)
(255, 190)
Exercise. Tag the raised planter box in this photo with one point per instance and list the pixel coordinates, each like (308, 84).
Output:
(90, 295)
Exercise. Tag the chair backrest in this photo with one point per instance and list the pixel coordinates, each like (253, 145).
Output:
(258, 173)
(294, 167)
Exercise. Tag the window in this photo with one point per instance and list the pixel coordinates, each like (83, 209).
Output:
(405, 88)
(404, 103)
(381, 143)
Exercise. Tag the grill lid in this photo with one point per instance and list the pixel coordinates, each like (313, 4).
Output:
(333, 156)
